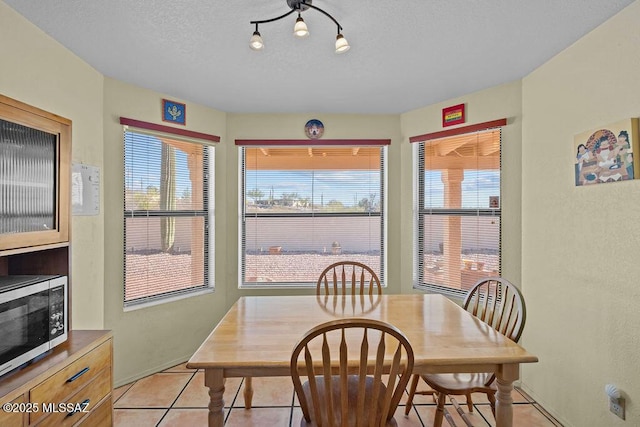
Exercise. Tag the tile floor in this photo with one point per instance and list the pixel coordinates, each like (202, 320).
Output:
(178, 397)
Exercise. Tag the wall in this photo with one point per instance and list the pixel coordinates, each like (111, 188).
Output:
(580, 250)
(499, 102)
(38, 71)
(353, 234)
(152, 338)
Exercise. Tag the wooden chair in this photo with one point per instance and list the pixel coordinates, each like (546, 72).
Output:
(356, 371)
(498, 303)
(338, 277)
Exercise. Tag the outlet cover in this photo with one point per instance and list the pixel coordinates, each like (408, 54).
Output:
(617, 407)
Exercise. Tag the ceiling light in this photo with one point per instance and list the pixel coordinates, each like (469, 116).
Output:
(256, 42)
(342, 45)
(300, 29)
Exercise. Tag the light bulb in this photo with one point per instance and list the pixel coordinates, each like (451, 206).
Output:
(256, 42)
(300, 30)
(342, 45)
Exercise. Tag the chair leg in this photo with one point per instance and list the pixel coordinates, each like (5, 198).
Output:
(437, 422)
(412, 392)
(492, 402)
(469, 402)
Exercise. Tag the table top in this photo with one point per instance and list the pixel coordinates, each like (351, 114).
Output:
(259, 333)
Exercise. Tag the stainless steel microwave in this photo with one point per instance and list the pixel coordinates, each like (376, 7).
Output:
(33, 318)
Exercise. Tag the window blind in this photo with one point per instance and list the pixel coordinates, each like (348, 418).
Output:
(458, 210)
(168, 208)
(305, 207)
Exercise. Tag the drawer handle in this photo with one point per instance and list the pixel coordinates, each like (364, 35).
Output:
(83, 405)
(78, 375)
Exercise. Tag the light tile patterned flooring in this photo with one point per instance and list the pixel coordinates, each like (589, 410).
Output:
(178, 397)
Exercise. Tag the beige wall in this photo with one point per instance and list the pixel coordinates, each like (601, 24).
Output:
(152, 338)
(40, 72)
(500, 102)
(580, 251)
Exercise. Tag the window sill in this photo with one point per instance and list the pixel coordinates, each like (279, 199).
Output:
(453, 294)
(141, 305)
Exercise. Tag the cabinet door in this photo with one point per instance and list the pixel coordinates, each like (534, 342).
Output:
(35, 176)
(13, 419)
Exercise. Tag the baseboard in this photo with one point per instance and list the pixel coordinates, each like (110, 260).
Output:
(153, 370)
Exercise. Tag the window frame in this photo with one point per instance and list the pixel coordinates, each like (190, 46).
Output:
(243, 215)
(420, 210)
(207, 212)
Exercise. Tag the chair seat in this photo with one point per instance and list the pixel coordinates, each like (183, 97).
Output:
(352, 392)
(460, 383)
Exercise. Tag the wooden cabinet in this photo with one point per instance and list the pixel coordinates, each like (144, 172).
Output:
(72, 385)
(35, 188)
(35, 224)
(13, 419)
(35, 176)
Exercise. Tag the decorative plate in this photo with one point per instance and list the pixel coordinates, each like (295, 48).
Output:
(314, 129)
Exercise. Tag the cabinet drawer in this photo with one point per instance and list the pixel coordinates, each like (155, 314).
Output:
(64, 383)
(93, 393)
(102, 416)
(13, 419)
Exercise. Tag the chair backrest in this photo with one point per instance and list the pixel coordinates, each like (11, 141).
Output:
(367, 363)
(497, 302)
(338, 277)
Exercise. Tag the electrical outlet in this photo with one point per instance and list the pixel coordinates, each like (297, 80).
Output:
(617, 406)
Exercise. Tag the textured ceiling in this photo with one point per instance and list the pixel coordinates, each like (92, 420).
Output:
(404, 54)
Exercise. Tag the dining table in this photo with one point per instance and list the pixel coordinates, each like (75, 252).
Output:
(256, 337)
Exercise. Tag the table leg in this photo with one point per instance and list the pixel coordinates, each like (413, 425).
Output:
(504, 402)
(214, 379)
(248, 392)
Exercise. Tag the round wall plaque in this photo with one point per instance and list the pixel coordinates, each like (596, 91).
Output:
(314, 129)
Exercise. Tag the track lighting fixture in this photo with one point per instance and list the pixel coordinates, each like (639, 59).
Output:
(300, 29)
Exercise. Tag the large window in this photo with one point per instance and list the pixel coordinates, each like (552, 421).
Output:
(168, 216)
(303, 208)
(458, 211)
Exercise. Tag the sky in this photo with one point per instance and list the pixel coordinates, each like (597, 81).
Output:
(347, 187)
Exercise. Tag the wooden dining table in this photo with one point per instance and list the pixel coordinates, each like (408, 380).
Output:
(257, 335)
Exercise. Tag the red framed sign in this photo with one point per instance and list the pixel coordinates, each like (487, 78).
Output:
(453, 115)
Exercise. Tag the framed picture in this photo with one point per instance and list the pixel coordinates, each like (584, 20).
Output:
(607, 154)
(314, 129)
(174, 112)
(453, 115)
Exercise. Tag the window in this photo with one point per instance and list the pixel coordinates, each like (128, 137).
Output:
(458, 210)
(305, 207)
(168, 216)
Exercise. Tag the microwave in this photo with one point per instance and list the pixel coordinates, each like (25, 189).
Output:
(33, 318)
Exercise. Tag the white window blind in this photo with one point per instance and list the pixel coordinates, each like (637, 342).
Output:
(168, 213)
(458, 210)
(305, 207)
